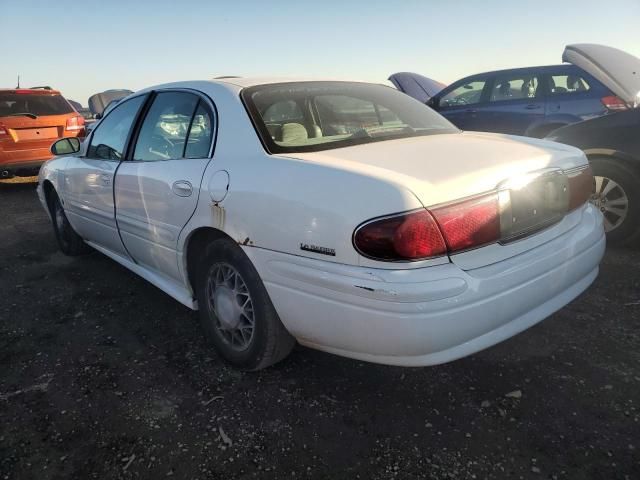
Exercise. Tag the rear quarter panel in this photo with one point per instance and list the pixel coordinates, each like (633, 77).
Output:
(281, 203)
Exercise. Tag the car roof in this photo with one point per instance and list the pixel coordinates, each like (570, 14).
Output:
(44, 91)
(521, 69)
(245, 82)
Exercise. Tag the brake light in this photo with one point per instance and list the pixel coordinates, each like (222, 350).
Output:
(3, 130)
(475, 222)
(612, 102)
(580, 187)
(408, 236)
(75, 123)
(470, 223)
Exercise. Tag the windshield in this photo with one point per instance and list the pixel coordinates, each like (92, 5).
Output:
(312, 116)
(33, 103)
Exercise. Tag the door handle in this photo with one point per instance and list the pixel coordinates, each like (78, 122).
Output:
(471, 110)
(532, 106)
(182, 188)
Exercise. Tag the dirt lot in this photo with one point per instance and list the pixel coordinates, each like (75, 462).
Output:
(104, 376)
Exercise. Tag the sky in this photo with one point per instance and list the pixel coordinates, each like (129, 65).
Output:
(86, 46)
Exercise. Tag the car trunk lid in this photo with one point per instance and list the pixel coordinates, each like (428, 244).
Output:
(619, 71)
(441, 169)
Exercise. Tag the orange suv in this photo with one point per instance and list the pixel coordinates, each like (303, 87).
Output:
(31, 119)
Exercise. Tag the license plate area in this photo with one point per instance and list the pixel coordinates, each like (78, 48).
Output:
(43, 133)
(534, 206)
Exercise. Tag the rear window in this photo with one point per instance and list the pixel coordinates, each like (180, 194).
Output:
(35, 104)
(313, 116)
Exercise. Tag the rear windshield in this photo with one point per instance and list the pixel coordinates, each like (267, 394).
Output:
(312, 116)
(35, 104)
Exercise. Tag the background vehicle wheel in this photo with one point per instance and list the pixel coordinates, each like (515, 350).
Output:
(235, 310)
(617, 195)
(68, 240)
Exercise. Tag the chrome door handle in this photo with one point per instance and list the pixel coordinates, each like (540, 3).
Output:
(532, 106)
(182, 188)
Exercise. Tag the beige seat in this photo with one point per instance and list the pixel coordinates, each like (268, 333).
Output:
(294, 133)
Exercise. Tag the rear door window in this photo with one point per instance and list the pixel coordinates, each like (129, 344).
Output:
(163, 135)
(33, 103)
(567, 84)
(468, 93)
(514, 87)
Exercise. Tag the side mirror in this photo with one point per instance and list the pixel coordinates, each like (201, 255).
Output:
(66, 146)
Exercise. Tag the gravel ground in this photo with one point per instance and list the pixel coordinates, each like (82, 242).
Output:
(104, 376)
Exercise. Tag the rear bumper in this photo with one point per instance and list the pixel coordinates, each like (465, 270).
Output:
(430, 315)
(27, 168)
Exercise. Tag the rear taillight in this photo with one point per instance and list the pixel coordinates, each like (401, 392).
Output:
(580, 187)
(407, 236)
(499, 216)
(3, 130)
(75, 123)
(470, 223)
(612, 102)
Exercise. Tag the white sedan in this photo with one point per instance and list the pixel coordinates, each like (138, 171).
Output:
(345, 216)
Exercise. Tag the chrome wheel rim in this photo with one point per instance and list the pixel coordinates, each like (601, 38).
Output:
(230, 301)
(611, 199)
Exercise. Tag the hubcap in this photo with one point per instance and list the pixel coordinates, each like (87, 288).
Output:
(230, 301)
(610, 198)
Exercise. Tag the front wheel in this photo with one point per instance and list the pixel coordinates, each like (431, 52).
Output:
(235, 310)
(617, 197)
(69, 241)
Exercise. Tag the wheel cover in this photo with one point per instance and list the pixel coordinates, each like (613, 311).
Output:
(611, 199)
(230, 301)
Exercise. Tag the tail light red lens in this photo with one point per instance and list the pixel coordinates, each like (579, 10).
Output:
(3, 130)
(475, 222)
(75, 123)
(580, 187)
(408, 236)
(612, 102)
(470, 223)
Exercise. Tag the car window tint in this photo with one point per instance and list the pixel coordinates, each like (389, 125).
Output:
(164, 131)
(342, 114)
(567, 84)
(34, 103)
(514, 87)
(339, 114)
(200, 134)
(467, 94)
(282, 112)
(110, 136)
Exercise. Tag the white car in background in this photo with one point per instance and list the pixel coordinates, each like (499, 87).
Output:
(346, 216)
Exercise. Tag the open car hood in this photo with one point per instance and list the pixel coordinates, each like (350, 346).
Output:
(99, 101)
(417, 86)
(618, 70)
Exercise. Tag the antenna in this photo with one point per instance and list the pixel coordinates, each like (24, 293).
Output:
(18, 82)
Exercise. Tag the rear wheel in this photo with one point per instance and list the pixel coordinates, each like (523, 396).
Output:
(69, 241)
(616, 195)
(235, 310)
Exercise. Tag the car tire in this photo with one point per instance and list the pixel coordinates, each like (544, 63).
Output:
(615, 183)
(69, 241)
(235, 310)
